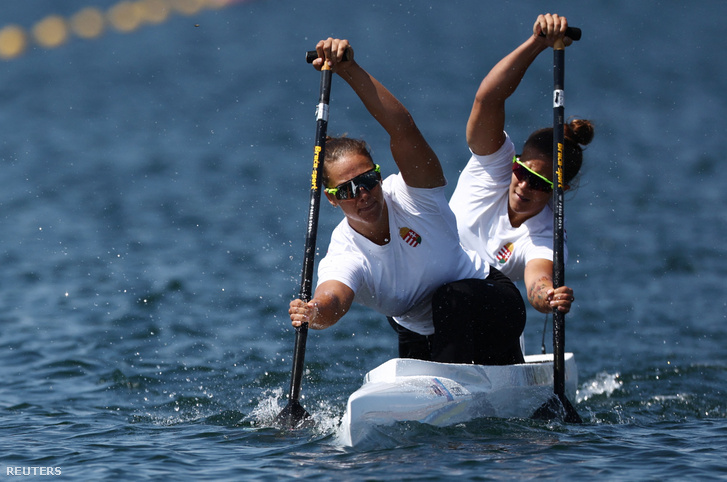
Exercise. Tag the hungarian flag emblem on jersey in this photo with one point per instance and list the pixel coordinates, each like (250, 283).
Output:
(504, 254)
(410, 237)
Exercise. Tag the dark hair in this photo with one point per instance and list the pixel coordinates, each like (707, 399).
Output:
(577, 133)
(338, 147)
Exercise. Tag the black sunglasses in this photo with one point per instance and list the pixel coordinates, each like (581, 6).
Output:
(349, 189)
(535, 181)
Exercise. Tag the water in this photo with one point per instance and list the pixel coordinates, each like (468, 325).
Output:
(153, 200)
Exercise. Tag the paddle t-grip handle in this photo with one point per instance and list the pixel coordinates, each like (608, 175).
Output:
(573, 33)
(311, 55)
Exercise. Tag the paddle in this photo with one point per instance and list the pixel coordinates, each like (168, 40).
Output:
(294, 415)
(559, 403)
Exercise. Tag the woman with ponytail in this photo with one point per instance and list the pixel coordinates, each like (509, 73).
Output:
(502, 200)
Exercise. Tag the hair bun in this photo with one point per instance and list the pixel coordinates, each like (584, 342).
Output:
(579, 131)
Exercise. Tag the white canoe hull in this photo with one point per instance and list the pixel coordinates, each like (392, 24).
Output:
(443, 394)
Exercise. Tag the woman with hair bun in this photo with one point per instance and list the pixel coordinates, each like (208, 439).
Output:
(502, 200)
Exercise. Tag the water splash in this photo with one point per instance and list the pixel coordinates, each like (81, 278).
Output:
(269, 406)
(603, 384)
(327, 416)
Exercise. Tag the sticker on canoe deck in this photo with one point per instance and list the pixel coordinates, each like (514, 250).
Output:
(439, 389)
(504, 254)
(410, 237)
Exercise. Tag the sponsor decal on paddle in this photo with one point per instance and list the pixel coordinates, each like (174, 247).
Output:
(410, 237)
(316, 161)
(504, 254)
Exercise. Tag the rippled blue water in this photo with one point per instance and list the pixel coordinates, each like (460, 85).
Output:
(153, 201)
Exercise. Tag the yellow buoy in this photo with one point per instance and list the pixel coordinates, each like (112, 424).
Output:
(51, 32)
(13, 42)
(88, 23)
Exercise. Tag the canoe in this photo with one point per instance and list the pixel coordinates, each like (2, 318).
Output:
(443, 394)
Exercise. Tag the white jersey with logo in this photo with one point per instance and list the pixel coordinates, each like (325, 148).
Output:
(480, 203)
(399, 278)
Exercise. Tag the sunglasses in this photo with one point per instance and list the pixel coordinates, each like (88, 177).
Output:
(535, 181)
(349, 189)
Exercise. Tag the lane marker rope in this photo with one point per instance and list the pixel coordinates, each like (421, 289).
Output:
(91, 22)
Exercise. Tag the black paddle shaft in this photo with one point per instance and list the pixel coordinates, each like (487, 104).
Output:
(294, 413)
(306, 284)
(558, 217)
(558, 227)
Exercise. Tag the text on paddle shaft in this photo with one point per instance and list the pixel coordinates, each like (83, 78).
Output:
(314, 177)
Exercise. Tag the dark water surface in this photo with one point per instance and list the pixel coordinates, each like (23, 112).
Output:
(153, 201)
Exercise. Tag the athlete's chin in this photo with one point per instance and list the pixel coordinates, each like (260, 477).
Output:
(371, 211)
(518, 204)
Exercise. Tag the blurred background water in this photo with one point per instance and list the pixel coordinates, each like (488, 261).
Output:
(153, 203)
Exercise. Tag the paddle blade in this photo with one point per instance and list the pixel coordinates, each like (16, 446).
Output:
(294, 416)
(557, 408)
